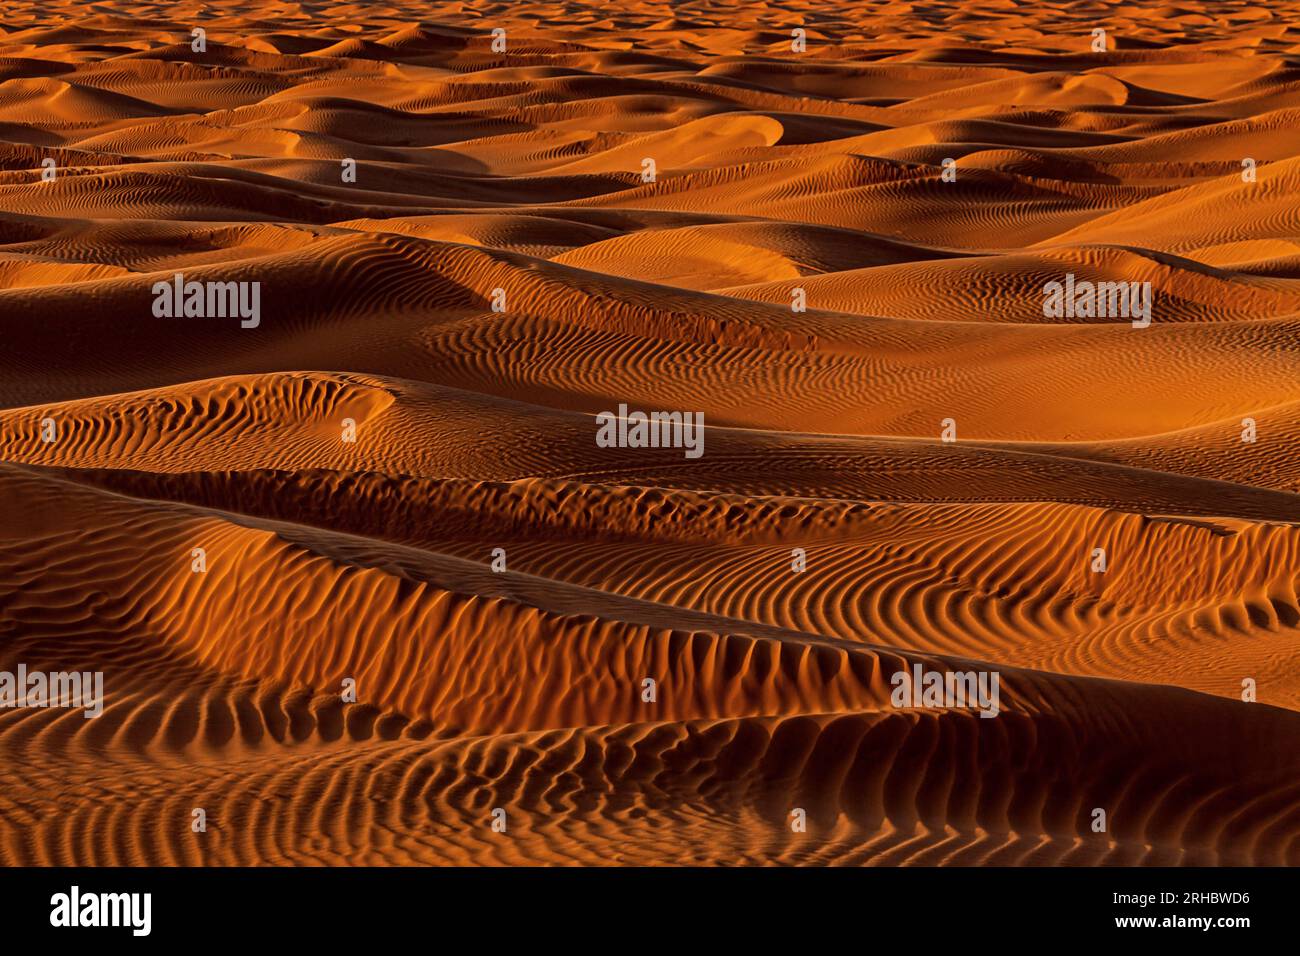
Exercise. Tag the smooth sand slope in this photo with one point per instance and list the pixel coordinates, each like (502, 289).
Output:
(360, 579)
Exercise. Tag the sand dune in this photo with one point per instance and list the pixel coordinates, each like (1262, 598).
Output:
(362, 581)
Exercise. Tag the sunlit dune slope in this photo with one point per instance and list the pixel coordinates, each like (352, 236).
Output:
(365, 578)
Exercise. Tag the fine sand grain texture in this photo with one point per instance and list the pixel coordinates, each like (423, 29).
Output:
(365, 586)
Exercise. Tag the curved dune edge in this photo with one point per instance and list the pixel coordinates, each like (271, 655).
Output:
(388, 483)
(255, 682)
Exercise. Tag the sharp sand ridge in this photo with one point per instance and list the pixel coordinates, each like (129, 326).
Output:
(649, 433)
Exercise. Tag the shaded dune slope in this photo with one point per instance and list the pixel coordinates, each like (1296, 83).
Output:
(387, 482)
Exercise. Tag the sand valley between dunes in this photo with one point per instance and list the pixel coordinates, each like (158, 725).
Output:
(311, 312)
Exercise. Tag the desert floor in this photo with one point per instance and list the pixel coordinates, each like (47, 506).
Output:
(365, 589)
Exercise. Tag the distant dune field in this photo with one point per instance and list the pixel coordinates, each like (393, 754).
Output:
(973, 330)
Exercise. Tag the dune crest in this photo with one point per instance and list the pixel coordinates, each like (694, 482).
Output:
(316, 316)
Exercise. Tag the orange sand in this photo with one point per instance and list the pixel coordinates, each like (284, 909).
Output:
(521, 690)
